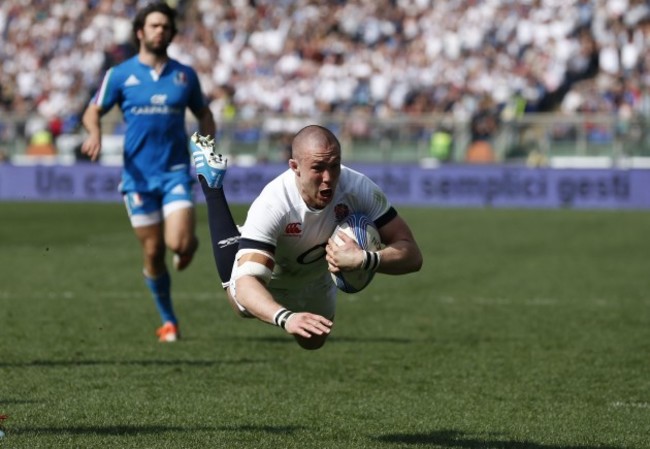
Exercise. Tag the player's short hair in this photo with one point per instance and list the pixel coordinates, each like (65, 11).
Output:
(141, 17)
(313, 133)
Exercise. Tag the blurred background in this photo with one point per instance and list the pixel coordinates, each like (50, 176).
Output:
(536, 82)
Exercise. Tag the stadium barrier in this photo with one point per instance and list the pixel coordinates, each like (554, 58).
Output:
(406, 184)
(541, 139)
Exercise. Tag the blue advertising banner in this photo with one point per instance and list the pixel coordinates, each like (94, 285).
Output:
(449, 186)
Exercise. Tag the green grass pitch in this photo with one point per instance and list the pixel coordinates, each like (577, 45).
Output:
(525, 329)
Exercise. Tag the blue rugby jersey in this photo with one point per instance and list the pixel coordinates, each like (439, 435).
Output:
(153, 106)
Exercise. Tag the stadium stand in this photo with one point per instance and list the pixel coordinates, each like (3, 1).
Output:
(382, 61)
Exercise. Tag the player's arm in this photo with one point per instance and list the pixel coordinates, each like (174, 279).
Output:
(205, 120)
(91, 121)
(401, 253)
(254, 270)
(199, 106)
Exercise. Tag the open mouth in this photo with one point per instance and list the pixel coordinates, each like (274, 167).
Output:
(326, 193)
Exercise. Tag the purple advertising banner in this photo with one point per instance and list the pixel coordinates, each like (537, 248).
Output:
(449, 186)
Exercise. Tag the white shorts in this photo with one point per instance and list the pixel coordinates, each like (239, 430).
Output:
(318, 298)
(149, 208)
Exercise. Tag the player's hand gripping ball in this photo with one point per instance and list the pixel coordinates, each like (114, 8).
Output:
(365, 233)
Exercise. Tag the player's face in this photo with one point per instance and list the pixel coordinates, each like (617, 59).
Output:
(317, 174)
(156, 34)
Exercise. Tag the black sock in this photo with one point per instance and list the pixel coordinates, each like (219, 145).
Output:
(223, 230)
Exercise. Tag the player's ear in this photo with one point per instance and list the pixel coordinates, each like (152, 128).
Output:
(293, 165)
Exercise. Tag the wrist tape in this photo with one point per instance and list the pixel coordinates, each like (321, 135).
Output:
(281, 316)
(371, 261)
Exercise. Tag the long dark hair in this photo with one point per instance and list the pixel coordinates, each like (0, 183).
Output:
(141, 16)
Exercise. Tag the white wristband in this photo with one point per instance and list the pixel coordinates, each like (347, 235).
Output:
(371, 261)
(281, 316)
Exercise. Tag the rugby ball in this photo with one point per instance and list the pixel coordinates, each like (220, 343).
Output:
(365, 233)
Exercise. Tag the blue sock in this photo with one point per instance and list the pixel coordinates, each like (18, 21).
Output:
(160, 288)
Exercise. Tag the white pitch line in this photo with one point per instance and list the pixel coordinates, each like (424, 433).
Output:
(622, 404)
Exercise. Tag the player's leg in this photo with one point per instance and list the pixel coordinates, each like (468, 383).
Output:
(146, 219)
(155, 271)
(224, 235)
(180, 222)
(180, 236)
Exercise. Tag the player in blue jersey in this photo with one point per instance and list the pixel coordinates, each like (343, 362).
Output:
(153, 92)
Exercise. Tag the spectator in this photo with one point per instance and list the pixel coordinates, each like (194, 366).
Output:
(351, 54)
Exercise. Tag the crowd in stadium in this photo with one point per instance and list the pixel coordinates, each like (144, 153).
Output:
(308, 57)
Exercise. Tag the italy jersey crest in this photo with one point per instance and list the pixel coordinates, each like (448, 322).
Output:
(180, 78)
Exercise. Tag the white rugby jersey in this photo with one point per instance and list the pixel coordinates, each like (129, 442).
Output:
(280, 218)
